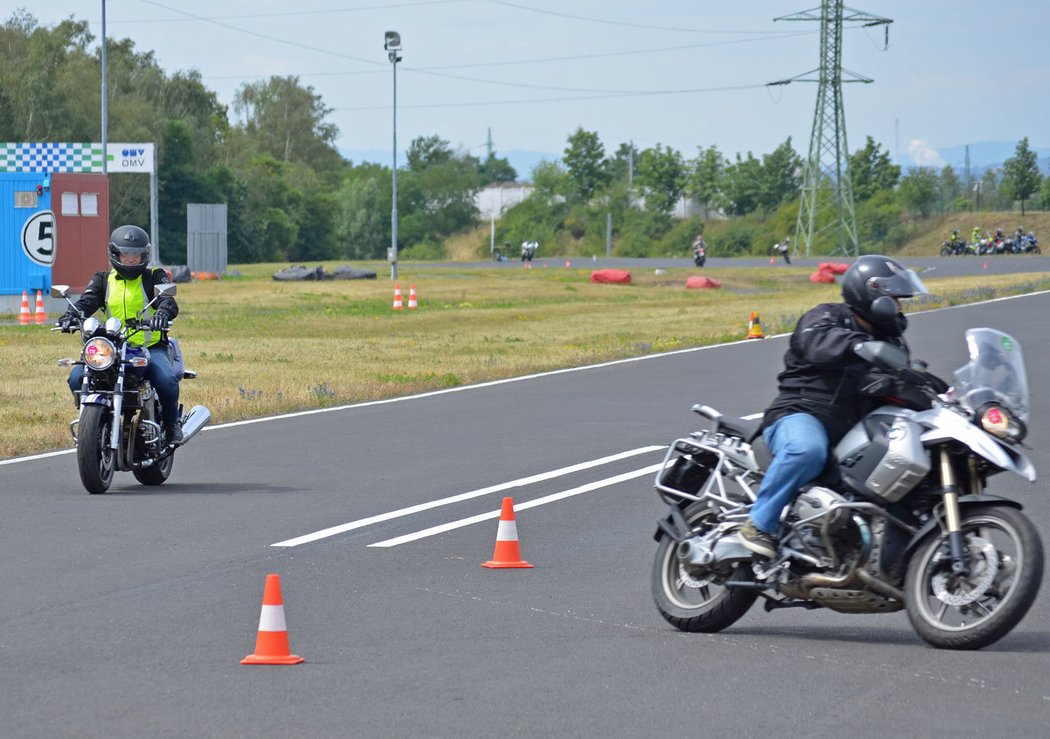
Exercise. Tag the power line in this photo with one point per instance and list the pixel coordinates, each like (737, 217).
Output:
(252, 16)
(675, 29)
(650, 93)
(544, 60)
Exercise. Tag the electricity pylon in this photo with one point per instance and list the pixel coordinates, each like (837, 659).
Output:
(826, 213)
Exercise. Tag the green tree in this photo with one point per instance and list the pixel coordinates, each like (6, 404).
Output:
(1021, 177)
(363, 212)
(436, 198)
(495, 169)
(918, 190)
(623, 163)
(584, 159)
(705, 179)
(287, 121)
(949, 187)
(742, 185)
(662, 172)
(1044, 194)
(872, 171)
(549, 181)
(780, 176)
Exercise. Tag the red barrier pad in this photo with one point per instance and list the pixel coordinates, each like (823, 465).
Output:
(698, 282)
(611, 276)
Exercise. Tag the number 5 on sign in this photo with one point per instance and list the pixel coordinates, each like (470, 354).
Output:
(38, 238)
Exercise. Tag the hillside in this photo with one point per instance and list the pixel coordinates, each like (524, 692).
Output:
(934, 230)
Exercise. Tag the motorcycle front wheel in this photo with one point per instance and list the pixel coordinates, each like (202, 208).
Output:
(95, 460)
(696, 603)
(1005, 561)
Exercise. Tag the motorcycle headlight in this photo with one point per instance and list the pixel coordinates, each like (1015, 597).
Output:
(99, 353)
(1000, 423)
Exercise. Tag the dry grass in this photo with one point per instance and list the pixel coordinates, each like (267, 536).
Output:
(264, 347)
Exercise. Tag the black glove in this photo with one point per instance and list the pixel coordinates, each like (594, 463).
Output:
(160, 321)
(66, 323)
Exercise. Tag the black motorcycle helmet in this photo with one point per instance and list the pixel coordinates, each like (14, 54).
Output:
(871, 288)
(129, 249)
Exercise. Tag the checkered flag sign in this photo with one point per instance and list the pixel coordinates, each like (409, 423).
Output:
(43, 157)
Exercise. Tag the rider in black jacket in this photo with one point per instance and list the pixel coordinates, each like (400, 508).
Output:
(820, 395)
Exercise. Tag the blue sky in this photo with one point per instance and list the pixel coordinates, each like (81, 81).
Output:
(682, 73)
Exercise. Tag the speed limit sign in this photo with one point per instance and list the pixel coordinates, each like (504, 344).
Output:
(38, 238)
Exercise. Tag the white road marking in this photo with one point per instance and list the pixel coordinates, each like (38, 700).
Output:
(434, 530)
(521, 482)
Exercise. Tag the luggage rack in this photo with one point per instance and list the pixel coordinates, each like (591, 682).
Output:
(701, 466)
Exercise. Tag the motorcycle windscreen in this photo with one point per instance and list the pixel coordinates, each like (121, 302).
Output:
(996, 364)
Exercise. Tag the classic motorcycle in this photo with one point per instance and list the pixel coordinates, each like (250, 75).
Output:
(899, 519)
(119, 422)
(528, 250)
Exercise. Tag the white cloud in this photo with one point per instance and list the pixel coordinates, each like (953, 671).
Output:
(924, 155)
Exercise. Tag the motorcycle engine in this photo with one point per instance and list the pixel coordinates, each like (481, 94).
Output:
(817, 501)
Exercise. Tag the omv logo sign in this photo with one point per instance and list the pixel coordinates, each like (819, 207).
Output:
(130, 157)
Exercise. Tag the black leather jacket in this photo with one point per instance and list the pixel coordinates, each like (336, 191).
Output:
(822, 375)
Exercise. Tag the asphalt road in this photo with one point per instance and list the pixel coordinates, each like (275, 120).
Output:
(126, 615)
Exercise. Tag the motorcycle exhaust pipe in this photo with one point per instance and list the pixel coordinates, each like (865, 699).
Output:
(195, 421)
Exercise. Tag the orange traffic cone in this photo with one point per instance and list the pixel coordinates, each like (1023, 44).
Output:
(772, 260)
(271, 646)
(508, 553)
(24, 316)
(412, 302)
(397, 296)
(41, 314)
(568, 264)
(754, 327)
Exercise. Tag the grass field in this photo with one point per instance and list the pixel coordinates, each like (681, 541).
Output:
(263, 347)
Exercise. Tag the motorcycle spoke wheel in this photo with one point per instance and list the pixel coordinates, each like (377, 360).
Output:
(692, 601)
(972, 610)
(96, 462)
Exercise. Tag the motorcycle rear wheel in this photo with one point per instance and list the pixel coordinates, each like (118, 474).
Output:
(157, 473)
(95, 461)
(1005, 557)
(696, 604)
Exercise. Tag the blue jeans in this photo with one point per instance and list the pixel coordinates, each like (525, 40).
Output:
(799, 444)
(161, 376)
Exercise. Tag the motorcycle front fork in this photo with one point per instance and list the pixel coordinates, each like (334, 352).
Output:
(952, 517)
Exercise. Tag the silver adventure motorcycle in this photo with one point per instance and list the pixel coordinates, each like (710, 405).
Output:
(900, 519)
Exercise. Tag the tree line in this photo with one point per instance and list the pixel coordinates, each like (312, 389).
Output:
(291, 196)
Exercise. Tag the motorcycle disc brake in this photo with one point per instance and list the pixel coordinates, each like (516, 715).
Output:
(981, 552)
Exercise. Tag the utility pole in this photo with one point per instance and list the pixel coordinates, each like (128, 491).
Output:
(827, 221)
(488, 143)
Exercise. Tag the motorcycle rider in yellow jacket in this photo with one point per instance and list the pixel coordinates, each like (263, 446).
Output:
(122, 292)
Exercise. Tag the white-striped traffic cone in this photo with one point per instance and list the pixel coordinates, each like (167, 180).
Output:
(24, 316)
(41, 315)
(412, 302)
(507, 553)
(271, 645)
(398, 305)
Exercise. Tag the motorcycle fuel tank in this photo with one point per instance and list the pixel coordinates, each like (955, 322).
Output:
(883, 455)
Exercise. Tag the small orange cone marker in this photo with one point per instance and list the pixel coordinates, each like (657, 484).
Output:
(754, 327)
(567, 264)
(412, 302)
(397, 297)
(508, 553)
(985, 266)
(772, 260)
(271, 646)
(24, 316)
(41, 314)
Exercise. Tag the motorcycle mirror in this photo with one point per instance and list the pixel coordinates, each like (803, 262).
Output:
(167, 288)
(881, 354)
(59, 291)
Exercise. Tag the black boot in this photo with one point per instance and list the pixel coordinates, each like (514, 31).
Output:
(174, 432)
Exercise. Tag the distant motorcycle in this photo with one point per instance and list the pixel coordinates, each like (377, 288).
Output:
(1030, 245)
(528, 250)
(783, 249)
(699, 256)
(119, 425)
(954, 248)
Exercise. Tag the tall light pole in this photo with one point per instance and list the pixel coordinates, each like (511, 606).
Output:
(105, 95)
(392, 44)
